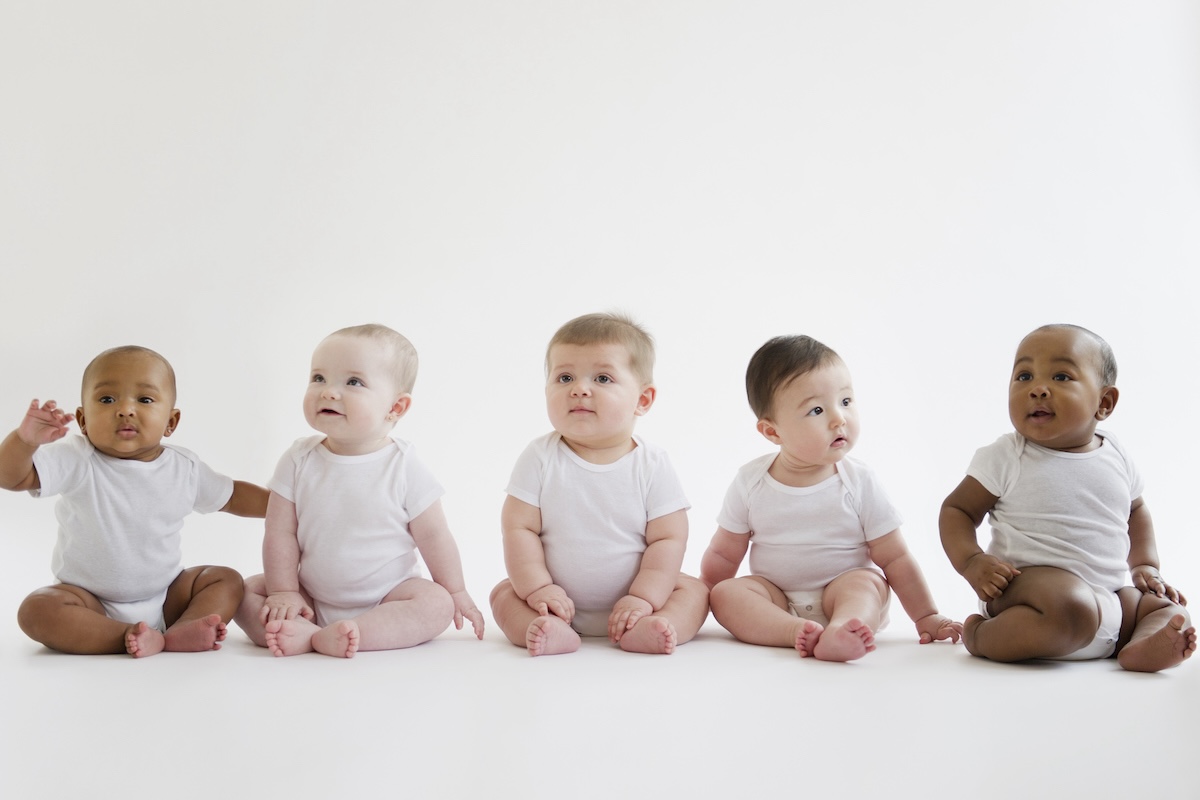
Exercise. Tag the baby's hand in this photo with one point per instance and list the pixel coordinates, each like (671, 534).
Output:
(43, 424)
(936, 627)
(552, 600)
(989, 576)
(1149, 581)
(464, 606)
(285, 605)
(625, 614)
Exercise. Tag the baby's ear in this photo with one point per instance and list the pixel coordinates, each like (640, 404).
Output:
(645, 400)
(401, 406)
(1108, 401)
(767, 429)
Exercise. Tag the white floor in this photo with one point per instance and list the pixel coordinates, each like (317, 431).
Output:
(463, 718)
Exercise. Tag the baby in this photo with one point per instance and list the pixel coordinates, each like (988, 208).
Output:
(825, 544)
(1068, 523)
(124, 496)
(348, 512)
(595, 522)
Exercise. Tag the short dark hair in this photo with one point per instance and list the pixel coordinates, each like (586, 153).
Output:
(777, 363)
(1108, 360)
(131, 349)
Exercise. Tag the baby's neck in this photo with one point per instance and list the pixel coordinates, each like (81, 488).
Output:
(791, 473)
(601, 454)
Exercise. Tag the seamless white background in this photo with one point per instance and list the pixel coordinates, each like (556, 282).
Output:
(915, 184)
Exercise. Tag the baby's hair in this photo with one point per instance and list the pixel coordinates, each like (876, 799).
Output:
(610, 328)
(777, 363)
(131, 349)
(1108, 361)
(403, 354)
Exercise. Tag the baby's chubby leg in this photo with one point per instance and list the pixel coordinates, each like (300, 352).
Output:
(72, 620)
(414, 612)
(756, 611)
(1156, 634)
(854, 603)
(541, 635)
(200, 603)
(677, 622)
(1045, 612)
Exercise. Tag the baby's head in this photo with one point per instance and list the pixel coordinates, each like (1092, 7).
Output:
(801, 393)
(600, 373)
(1063, 384)
(359, 386)
(128, 403)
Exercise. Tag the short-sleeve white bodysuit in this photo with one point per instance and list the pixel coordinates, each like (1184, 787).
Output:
(352, 514)
(119, 521)
(594, 518)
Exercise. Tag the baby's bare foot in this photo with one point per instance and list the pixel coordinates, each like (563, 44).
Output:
(290, 637)
(845, 642)
(807, 637)
(196, 635)
(653, 635)
(339, 640)
(1164, 648)
(141, 640)
(550, 636)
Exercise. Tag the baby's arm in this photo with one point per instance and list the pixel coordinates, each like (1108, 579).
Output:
(891, 554)
(281, 563)
(658, 575)
(42, 424)
(525, 560)
(247, 500)
(962, 512)
(1143, 556)
(723, 556)
(432, 534)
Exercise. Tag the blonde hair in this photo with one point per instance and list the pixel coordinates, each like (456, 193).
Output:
(610, 328)
(403, 354)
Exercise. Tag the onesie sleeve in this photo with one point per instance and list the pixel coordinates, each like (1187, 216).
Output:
(421, 488)
(213, 489)
(995, 465)
(735, 511)
(876, 513)
(61, 466)
(664, 493)
(283, 482)
(525, 483)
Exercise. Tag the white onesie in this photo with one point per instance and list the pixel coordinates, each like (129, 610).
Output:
(353, 514)
(594, 518)
(119, 520)
(802, 537)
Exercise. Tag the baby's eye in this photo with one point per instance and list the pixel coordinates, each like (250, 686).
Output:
(1022, 376)
(816, 411)
(603, 379)
(846, 401)
(355, 382)
(1062, 376)
(146, 400)
(318, 378)
(107, 399)
(564, 378)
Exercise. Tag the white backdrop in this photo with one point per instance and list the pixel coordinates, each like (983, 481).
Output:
(916, 184)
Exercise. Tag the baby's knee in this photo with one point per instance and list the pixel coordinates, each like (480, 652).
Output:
(1077, 613)
(503, 589)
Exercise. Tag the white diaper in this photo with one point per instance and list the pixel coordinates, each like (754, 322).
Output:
(1107, 634)
(591, 622)
(808, 605)
(149, 611)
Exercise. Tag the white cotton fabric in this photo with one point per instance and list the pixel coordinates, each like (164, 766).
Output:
(352, 514)
(1065, 510)
(119, 520)
(594, 518)
(802, 537)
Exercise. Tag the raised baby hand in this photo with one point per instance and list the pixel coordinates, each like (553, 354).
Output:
(43, 424)
(988, 575)
(935, 627)
(464, 606)
(625, 614)
(552, 600)
(285, 605)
